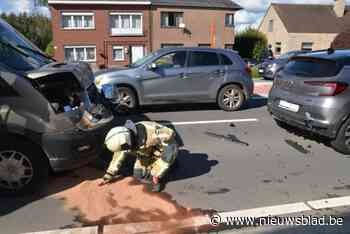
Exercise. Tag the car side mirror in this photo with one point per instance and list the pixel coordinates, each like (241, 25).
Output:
(152, 66)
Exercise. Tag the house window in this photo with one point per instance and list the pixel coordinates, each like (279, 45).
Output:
(278, 48)
(229, 46)
(126, 24)
(80, 53)
(171, 19)
(40, 3)
(164, 45)
(80, 20)
(306, 46)
(271, 26)
(229, 20)
(118, 53)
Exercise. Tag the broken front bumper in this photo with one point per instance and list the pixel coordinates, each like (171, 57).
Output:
(74, 148)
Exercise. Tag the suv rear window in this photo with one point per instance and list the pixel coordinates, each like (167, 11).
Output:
(312, 67)
(204, 59)
(225, 60)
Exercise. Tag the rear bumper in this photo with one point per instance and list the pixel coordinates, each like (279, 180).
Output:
(74, 148)
(315, 126)
(314, 115)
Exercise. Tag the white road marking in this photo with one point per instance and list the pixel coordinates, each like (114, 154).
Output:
(268, 211)
(330, 203)
(211, 122)
(277, 210)
(85, 230)
(286, 209)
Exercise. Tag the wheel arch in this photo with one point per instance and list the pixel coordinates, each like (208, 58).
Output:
(15, 136)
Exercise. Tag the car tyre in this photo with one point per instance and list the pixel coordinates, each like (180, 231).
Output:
(231, 98)
(127, 98)
(24, 168)
(342, 142)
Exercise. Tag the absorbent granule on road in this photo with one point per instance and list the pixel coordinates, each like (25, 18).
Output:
(125, 202)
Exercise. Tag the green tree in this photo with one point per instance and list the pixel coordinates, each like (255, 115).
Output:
(250, 43)
(35, 27)
(50, 49)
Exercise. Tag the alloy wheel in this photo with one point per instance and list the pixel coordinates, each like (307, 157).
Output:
(232, 98)
(125, 99)
(347, 136)
(16, 170)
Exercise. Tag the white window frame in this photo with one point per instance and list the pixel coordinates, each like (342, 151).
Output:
(307, 48)
(123, 54)
(72, 14)
(126, 32)
(232, 23)
(85, 53)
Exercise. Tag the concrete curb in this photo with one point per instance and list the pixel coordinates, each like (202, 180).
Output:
(85, 230)
(193, 224)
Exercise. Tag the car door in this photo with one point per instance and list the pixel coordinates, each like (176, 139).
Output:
(204, 72)
(160, 83)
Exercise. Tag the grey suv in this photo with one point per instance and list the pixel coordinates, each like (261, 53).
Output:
(51, 116)
(182, 75)
(269, 68)
(312, 92)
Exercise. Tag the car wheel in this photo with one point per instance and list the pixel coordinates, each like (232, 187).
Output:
(127, 98)
(23, 168)
(231, 98)
(342, 142)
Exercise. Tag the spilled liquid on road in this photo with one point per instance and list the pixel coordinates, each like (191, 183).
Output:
(124, 202)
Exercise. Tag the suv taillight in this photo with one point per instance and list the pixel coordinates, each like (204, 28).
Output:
(328, 89)
(248, 70)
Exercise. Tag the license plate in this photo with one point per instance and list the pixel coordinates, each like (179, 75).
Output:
(289, 106)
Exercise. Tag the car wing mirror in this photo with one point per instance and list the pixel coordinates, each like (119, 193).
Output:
(152, 66)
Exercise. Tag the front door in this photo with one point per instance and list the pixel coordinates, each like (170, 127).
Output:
(163, 83)
(137, 52)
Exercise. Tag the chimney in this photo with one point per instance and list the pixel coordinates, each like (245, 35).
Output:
(339, 7)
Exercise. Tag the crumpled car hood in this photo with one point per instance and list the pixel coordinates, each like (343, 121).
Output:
(82, 72)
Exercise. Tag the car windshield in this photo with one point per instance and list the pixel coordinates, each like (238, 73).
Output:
(142, 60)
(19, 53)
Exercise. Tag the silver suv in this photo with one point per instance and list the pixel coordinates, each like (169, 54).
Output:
(182, 75)
(312, 92)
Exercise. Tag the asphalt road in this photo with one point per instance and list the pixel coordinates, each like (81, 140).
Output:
(221, 166)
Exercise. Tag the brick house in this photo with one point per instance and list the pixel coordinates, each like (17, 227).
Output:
(304, 26)
(109, 33)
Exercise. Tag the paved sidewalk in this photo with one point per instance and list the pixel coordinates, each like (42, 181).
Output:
(262, 87)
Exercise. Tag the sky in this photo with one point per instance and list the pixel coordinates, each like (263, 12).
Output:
(254, 10)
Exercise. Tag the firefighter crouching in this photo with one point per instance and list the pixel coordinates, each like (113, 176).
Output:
(154, 146)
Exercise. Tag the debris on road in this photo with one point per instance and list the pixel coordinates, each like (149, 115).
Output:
(124, 202)
(297, 146)
(229, 137)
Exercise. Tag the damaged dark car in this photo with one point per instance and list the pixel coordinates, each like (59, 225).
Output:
(51, 116)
